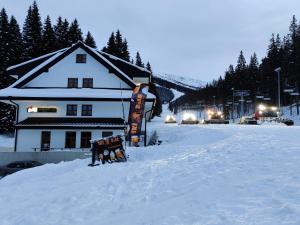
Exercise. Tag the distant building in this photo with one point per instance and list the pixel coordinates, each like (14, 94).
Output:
(68, 97)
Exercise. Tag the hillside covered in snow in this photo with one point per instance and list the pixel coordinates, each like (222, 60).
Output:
(208, 175)
(179, 83)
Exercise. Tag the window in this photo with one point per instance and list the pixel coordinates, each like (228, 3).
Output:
(72, 82)
(80, 58)
(70, 139)
(107, 134)
(45, 140)
(32, 109)
(87, 83)
(85, 140)
(86, 110)
(71, 110)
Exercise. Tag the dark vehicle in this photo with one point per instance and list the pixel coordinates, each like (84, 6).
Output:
(17, 166)
(287, 122)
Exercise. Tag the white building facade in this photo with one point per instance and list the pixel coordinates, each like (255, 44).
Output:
(66, 98)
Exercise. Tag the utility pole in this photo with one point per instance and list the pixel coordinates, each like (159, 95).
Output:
(278, 70)
(232, 111)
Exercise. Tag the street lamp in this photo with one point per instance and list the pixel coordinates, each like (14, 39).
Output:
(278, 70)
(232, 105)
(214, 101)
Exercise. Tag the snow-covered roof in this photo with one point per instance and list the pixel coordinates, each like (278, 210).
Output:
(122, 60)
(27, 75)
(67, 93)
(31, 69)
(36, 59)
(28, 70)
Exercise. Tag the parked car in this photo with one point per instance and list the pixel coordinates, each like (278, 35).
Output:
(17, 166)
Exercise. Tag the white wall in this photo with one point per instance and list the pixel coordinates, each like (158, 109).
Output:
(100, 109)
(58, 75)
(29, 139)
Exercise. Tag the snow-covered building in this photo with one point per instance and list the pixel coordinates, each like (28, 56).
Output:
(70, 96)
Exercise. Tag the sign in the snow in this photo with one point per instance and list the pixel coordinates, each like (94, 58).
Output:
(136, 114)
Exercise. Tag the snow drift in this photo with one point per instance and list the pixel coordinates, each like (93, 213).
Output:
(208, 175)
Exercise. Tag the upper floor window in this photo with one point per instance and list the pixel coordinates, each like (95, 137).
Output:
(87, 83)
(72, 82)
(80, 58)
(71, 110)
(87, 110)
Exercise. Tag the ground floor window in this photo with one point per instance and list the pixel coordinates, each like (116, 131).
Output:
(85, 139)
(70, 139)
(107, 134)
(45, 140)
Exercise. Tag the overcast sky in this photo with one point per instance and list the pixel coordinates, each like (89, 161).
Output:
(195, 38)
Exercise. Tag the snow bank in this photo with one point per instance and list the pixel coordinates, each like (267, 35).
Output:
(204, 174)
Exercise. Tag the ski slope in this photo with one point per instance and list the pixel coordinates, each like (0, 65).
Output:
(199, 175)
(183, 81)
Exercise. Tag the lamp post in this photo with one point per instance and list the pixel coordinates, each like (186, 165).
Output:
(214, 101)
(232, 105)
(278, 70)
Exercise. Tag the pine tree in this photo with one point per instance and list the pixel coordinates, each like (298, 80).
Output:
(6, 111)
(89, 40)
(119, 44)
(48, 38)
(253, 65)
(111, 47)
(74, 34)
(148, 67)
(61, 30)
(138, 60)
(125, 52)
(15, 42)
(32, 33)
(241, 63)
(4, 47)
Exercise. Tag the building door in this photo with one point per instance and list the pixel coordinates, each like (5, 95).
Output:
(45, 140)
(85, 139)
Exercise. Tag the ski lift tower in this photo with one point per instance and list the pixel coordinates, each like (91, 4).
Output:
(242, 94)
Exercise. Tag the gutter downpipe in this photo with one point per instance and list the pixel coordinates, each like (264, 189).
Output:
(16, 121)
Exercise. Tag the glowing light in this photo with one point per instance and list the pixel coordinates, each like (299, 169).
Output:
(209, 112)
(189, 116)
(32, 109)
(219, 113)
(260, 112)
(273, 108)
(170, 118)
(262, 107)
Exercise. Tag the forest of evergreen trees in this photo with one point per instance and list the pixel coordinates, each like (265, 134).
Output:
(258, 77)
(39, 37)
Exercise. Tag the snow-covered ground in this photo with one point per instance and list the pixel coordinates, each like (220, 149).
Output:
(199, 175)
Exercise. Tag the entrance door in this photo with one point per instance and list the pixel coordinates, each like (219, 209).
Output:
(45, 140)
